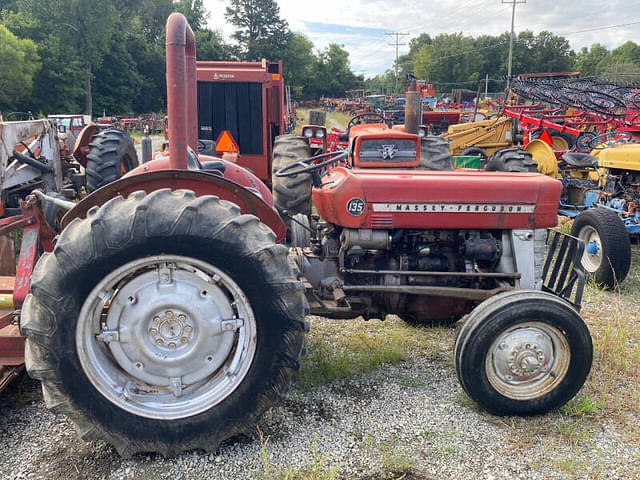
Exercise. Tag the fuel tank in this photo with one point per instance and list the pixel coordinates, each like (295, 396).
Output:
(424, 199)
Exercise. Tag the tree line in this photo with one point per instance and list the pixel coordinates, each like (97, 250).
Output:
(454, 60)
(108, 55)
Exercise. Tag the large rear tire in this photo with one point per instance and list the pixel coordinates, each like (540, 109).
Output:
(291, 194)
(523, 352)
(164, 322)
(607, 247)
(435, 154)
(511, 159)
(111, 155)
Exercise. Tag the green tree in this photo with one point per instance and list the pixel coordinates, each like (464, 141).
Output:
(588, 59)
(211, 46)
(298, 62)
(19, 62)
(260, 32)
(333, 75)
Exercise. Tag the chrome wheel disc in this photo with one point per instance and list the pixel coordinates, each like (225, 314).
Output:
(166, 337)
(592, 257)
(528, 360)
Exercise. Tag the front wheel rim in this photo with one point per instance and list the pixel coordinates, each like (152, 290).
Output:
(591, 238)
(528, 360)
(166, 337)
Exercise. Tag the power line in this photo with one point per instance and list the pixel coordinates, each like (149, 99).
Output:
(513, 4)
(396, 44)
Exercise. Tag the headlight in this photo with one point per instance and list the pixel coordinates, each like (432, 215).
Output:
(308, 132)
(422, 132)
(320, 133)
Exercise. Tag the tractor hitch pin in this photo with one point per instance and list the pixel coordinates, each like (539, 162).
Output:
(66, 204)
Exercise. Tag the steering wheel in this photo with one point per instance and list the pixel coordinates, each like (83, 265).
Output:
(314, 169)
(600, 142)
(358, 119)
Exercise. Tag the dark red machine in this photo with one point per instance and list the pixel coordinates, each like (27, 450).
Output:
(248, 100)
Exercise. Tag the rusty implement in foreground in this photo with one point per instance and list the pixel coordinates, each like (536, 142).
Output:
(36, 234)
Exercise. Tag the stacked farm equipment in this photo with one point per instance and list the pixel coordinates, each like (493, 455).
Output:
(592, 126)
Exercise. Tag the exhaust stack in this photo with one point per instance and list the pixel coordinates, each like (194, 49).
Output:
(412, 111)
(181, 90)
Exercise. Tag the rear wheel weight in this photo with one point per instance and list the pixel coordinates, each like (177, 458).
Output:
(523, 353)
(607, 252)
(235, 341)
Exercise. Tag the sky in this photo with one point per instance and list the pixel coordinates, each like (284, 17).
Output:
(360, 25)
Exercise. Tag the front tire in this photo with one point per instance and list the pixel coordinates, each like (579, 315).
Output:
(164, 322)
(607, 247)
(523, 352)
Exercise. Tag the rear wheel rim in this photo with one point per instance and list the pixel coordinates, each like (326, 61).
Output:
(591, 238)
(528, 361)
(166, 337)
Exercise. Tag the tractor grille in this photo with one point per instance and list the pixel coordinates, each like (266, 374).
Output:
(392, 150)
(381, 220)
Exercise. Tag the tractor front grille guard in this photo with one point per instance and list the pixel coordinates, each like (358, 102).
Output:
(563, 273)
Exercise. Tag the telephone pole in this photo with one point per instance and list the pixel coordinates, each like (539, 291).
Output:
(513, 4)
(396, 44)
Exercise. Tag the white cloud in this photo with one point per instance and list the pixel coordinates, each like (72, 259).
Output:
(370, 53)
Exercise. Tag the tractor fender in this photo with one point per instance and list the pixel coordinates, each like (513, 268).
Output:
(200, 182)
(81, 145)
(229, 170)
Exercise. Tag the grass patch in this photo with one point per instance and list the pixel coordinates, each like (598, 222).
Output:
(576, 433)
(316, 467)
(338, 350)
(584, 406)
(396, 462)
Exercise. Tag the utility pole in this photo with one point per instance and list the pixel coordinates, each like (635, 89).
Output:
(396, 44)
(513, 4)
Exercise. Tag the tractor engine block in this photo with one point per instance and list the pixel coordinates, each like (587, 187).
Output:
(374, 272)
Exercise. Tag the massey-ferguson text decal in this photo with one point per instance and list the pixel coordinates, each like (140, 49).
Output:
(452, 208)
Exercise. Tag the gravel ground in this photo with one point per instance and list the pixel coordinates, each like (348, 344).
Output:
(405, 421)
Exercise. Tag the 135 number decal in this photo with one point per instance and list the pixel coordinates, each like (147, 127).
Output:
(355, 206)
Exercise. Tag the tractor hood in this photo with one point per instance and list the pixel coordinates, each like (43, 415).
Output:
(423, 199)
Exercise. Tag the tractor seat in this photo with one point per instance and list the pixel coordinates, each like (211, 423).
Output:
(580, 160)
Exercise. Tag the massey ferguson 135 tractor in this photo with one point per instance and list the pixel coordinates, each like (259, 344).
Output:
(167, 317)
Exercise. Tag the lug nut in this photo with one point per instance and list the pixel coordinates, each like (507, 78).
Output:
(153, 331)
(184, 340)
(182, 317)
(159, 341)
(172, 346)
(169, 314)
(187, 329)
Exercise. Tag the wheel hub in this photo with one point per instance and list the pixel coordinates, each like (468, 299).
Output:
(526, 361)
(163, 337)
(170, 330)
(592, 258)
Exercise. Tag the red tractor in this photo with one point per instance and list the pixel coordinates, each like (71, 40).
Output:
(167, 317)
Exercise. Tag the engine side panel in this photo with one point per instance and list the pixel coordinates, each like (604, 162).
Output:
(444, 200)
